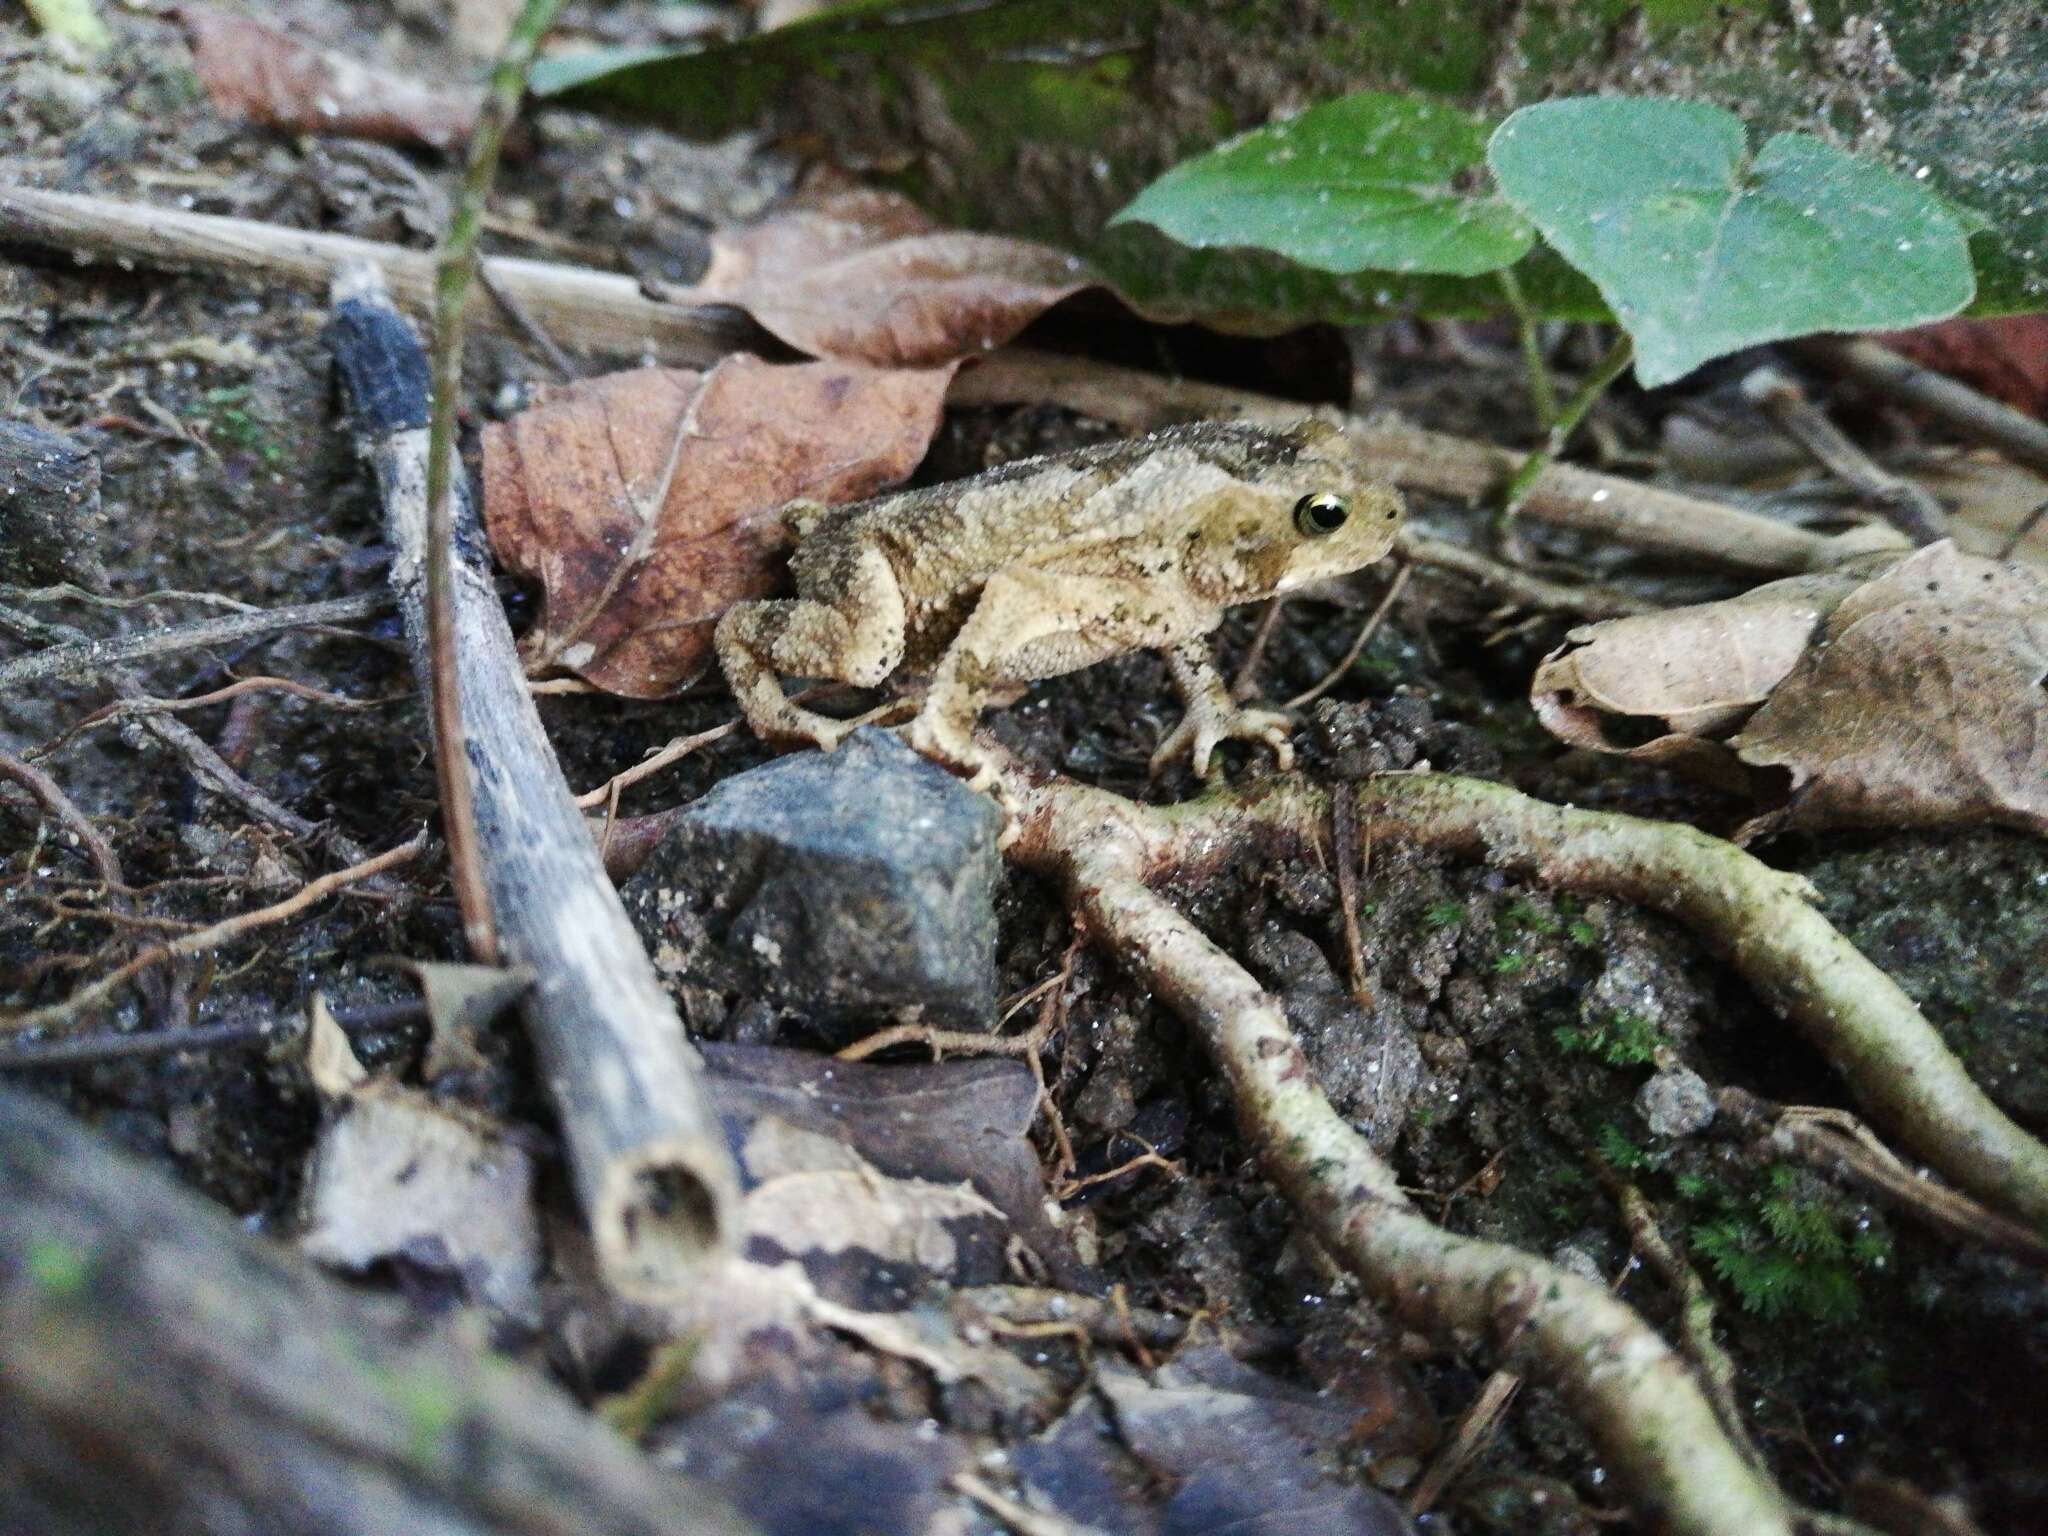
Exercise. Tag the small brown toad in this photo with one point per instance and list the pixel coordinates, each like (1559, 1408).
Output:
(1047, 565)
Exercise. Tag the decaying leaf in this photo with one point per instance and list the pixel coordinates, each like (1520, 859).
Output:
(831, 1465)
(462, 1001)
(942, 1122)
(1994, 502)
(1698, 671)
(267, 76)
(866, 275)
(1218, 1447)
(646, 503)
(396, 1176)
(1924, 703)
(813, 1195)
(1896, 691)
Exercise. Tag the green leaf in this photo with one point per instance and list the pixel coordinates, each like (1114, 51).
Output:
(1367, 182)
(1040, 118)
(1701, 249)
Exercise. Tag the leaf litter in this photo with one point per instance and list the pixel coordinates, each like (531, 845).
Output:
(255, 71)
(868, 276)
(1896, 691)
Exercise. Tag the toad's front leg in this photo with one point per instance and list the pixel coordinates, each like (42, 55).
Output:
(1213, 717)
(850, 630)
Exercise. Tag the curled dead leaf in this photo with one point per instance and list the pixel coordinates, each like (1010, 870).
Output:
(647, 503)
(866, 275)
(1893, 691)
(1698, 672)
(268, 76)
(1922, 704)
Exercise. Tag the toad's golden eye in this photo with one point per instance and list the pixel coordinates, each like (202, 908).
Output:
(1320, 514)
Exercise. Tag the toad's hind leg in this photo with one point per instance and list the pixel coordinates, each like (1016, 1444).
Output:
(1029, 624)
(854, 635)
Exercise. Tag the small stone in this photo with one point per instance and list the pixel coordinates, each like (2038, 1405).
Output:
(1578, 1261)
(841, 886)
(49, 508)
(1676, 1103)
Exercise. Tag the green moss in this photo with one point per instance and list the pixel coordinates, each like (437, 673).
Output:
(1619, 1152)
(641, 1407)
(1625, 1039)
(228, 419)
(427, 1403)
(1443, 914)
(1790, 1251)
(56, 1268)
(1523, 913)
(1509, 961)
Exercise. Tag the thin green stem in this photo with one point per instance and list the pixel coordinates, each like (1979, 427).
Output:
(455, 270)
(1604, 373)
(1542, 395)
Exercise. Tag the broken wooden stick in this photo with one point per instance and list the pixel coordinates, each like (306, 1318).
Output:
(77, 660)
(603, 310)
(162, 1369)
(649, 1162)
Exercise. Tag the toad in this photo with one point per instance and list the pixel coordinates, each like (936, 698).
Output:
(1048, 565)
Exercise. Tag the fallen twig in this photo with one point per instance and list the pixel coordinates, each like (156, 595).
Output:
(606, 311)
(1476, 1427)
(242, 688)
(91, 658)
(1366, 631)
(1838, 1151)
(649, 1162)
(50, 795)
(1638, 1400)
(1695, 1308)
(239, 1034)
(1911, 507)
(85, 658)
(81, 1004)
(1977, 416)
(1516, 585)
(205, 764)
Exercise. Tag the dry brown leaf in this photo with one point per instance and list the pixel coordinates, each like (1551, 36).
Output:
(646, 503)
(866, 275)
(258, 72)
(1923, 704)
(1698, 671)
(395, 1175)
(1898, 691)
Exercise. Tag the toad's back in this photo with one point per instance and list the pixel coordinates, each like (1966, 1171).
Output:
(958, 534)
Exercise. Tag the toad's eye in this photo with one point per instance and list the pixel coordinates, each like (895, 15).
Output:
(1320, 514)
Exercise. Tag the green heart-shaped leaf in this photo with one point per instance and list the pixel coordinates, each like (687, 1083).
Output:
(1701, 250)
(1367, 182)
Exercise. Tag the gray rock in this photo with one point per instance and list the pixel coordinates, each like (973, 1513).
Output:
(1676, 1103)
(838, 885)
(49, 508)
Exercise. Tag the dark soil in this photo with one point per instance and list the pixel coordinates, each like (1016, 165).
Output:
(1495, 1042)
